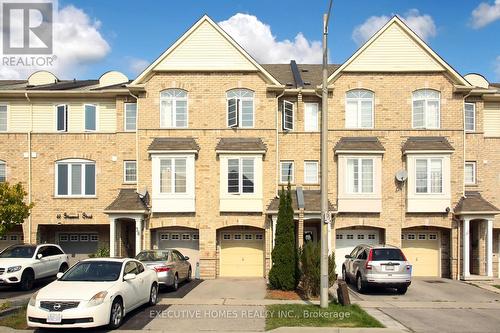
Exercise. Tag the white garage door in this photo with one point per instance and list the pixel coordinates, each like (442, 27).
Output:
(347, 239)
(186, 242)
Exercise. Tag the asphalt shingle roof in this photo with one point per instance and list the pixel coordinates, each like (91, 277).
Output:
(474, 202)
(427, 143)
(241, 144)
(359, 143)
(127, 200)
(169, 144)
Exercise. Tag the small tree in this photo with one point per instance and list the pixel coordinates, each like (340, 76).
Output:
(13, 209)
(284, 273)
(310, 265)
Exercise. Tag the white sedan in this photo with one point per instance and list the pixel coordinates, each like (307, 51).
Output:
(92, 293)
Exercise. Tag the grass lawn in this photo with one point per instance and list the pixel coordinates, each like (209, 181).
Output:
(335, 315)
(496, 286)
(16, 320)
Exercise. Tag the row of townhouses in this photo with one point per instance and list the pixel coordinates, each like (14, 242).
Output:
(192, 154)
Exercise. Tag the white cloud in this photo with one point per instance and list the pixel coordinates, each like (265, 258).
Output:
(423, 25)
(497, 68)
(485, 13)
(77, 42)
(257, 39)
(137, 65)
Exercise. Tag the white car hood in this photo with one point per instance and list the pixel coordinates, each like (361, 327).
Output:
(9, 262)
(69, 290)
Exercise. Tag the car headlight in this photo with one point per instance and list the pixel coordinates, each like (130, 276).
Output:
(98, 298)
(13, 269)
(32, 301)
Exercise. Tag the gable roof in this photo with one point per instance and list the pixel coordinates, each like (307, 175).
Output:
(364, 143)
(127, 200)
(202, 31)
(413, 42)
(427, 143)
(474, 203)
(241, 144)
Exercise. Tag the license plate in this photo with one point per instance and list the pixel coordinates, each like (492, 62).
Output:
(389, 268)
(54, 317)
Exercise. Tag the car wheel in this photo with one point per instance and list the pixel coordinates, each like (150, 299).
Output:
(189, 275)
(64, 267)
(402, 290)
(344, 275)
(153, 295)
(27, 280)
(360, 285)
(175, 286)
(116, 316)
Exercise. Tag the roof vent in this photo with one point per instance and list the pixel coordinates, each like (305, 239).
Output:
(41, 78)
(111, 78)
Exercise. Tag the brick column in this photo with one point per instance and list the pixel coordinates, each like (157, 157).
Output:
(208, 254)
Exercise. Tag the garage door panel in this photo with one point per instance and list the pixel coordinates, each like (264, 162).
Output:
(242, 258)
(347, 239)
(423, 254)
(188, 247)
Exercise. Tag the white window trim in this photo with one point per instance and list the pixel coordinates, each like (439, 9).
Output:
(125, 172)
(172, 180)
(174, 107)
(175, 236)
(474, 172)
(426, 100)
(360, 176)
(96, 117)
(465, 123)
(69, 162)
(240, 175)
(317, 120)
(429, 177)
(239, 108)
(125, 117)
(226, 235)
(292, 177)
(317, 172)
(285, 128)
(6, 117)
(359, 102)
(66, 122)
(164, 236)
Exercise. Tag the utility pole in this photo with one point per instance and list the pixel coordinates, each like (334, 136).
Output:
(326, 217)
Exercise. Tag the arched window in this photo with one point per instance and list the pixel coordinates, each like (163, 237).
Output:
(240, 108)
(426, 108)
(3, 171)
(75, 178)
(359, 109)
(173, 108)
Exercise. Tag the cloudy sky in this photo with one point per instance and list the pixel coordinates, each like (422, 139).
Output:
(93, 36)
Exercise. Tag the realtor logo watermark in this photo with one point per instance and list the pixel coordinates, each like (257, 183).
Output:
(27, 32)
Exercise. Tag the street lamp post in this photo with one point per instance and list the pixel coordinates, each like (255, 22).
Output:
(325, 213)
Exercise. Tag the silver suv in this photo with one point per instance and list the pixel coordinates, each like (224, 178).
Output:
(377, 265)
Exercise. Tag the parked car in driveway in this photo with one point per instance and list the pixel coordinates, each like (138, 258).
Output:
(377, 265)
(93, 292)
(170, 265)
(23, 264)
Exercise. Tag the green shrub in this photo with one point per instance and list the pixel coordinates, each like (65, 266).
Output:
(102, 252)
(310, 266)
(284, 271)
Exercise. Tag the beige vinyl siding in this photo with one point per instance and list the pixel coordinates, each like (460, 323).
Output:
(18, 116)
(205, 49)
(107, 116)
(492, 119)
(393, 51)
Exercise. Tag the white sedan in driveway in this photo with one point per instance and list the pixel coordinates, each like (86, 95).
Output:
(92, 293)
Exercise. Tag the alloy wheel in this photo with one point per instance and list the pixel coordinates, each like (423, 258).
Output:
(117, 314)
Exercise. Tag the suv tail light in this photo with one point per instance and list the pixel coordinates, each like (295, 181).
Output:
(159, 269)
(368, 261)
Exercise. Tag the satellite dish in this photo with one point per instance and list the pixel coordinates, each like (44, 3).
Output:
(142, 193)
(401, 175)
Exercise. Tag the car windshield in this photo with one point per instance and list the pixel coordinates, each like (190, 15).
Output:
(152, 255)
(387, 254)
(98, 271)
(21, 251)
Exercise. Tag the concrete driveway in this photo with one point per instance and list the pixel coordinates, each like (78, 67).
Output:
(437, 305)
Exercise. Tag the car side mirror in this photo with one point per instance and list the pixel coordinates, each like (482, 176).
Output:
(186, 258)
(347, 256)
(129, 276)
(59, 275)
(39, 256)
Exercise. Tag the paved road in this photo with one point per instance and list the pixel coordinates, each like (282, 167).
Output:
(10, 292)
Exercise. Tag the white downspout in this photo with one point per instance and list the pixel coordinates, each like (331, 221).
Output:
(30, 221)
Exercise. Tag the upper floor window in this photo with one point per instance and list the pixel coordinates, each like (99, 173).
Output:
(470, 173)
(470, 117)
(359, 109)
(241, 175)
(75, 178)
(3, 117)
(173, 108)
(3, 173)
(173, 175)
(429, 175)
(311, 172)
(130, 171)
(311, 115)
(288, 115)
(360, 175)
(130, 116)
(90, 117)
(286, 175)
(240, 108)
(62, 118)
(426, 108)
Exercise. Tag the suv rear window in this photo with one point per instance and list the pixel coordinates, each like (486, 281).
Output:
(387, 254)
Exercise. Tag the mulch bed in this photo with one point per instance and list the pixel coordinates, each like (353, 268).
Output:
(288, 295)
